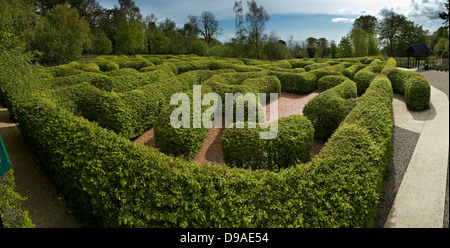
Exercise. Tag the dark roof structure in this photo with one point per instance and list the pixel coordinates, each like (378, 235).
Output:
(418, 49)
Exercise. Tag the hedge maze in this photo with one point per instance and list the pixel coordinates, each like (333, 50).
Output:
(80, 119)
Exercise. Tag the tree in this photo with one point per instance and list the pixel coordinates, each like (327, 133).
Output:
(345, 49)
(239, 22)
(256, 18)
(276, 48)
(322, 48)
(130, 37)
(444, 15)
(207, 25)
(367, 23)
(311, 50)
(373, 48)
(397, 33)
(359, 41)
(333, 49)
(62, 35)
(311, 41)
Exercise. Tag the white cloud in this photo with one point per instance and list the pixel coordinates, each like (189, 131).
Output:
(345, 20)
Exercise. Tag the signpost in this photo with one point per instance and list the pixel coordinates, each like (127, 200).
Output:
(5, 162)
(5, 165)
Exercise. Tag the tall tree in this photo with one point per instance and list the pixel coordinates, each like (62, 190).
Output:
(397, 33)
(367, 23)
(207, 25)
(359, 40)
(239, 22)
(345, 49)
(256, 18)
(444, 15)
(62, 35)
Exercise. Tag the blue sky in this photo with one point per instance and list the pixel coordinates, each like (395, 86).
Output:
(300, 18)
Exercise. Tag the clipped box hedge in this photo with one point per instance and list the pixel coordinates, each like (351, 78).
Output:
(413, 86)
(328, 109)
(109, 181)
(243, 148)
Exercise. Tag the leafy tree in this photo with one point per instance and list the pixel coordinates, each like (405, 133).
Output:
(62, 35)
(359, 40)
(333, 49)
(444, 15)
(373, 48)
(276, 48)
(311, 50)
(322, 48)
(345, 49)
(256, 18)
(130, 37)
(311, 41)
(101, 44)
(397, 33)
(367, 23)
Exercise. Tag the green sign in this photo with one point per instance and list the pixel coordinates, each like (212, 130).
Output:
(5, 162)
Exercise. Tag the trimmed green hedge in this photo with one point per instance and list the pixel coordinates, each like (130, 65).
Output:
(300, 83)
(365, 76)
(413, 86)
(352, 70)
(112, 182)
(12, 211)
(328, 109)
(242, 147)
(328, 82)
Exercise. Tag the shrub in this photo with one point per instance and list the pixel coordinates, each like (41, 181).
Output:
(365, 76)
(111, 182)
(242, 147)
(327, 110)
(300, 63)
(316, 66)
(328, 82)
(412, 85)
(301, 83)
(352, 70)
(106, 65)
(178, 141)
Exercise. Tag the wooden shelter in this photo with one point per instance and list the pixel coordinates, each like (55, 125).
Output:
(419, 52)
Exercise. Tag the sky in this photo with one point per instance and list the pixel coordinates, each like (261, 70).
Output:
(301, 18)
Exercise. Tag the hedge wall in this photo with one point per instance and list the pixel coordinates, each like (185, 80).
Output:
(243, 148)
(413, 86)
(112, 182)
(327, 110)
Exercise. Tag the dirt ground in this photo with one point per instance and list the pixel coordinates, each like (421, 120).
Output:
(47, 208)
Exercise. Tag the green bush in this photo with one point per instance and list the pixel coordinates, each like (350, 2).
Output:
(327, 110)
(301, 63)
(352, 70)
(12, 210)
(106, 65)
(316, 66)
(413, 86)
(109, 181)
(242, 147)
(365, 76)
(301, 83)
(183, 142)
(328, 82)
